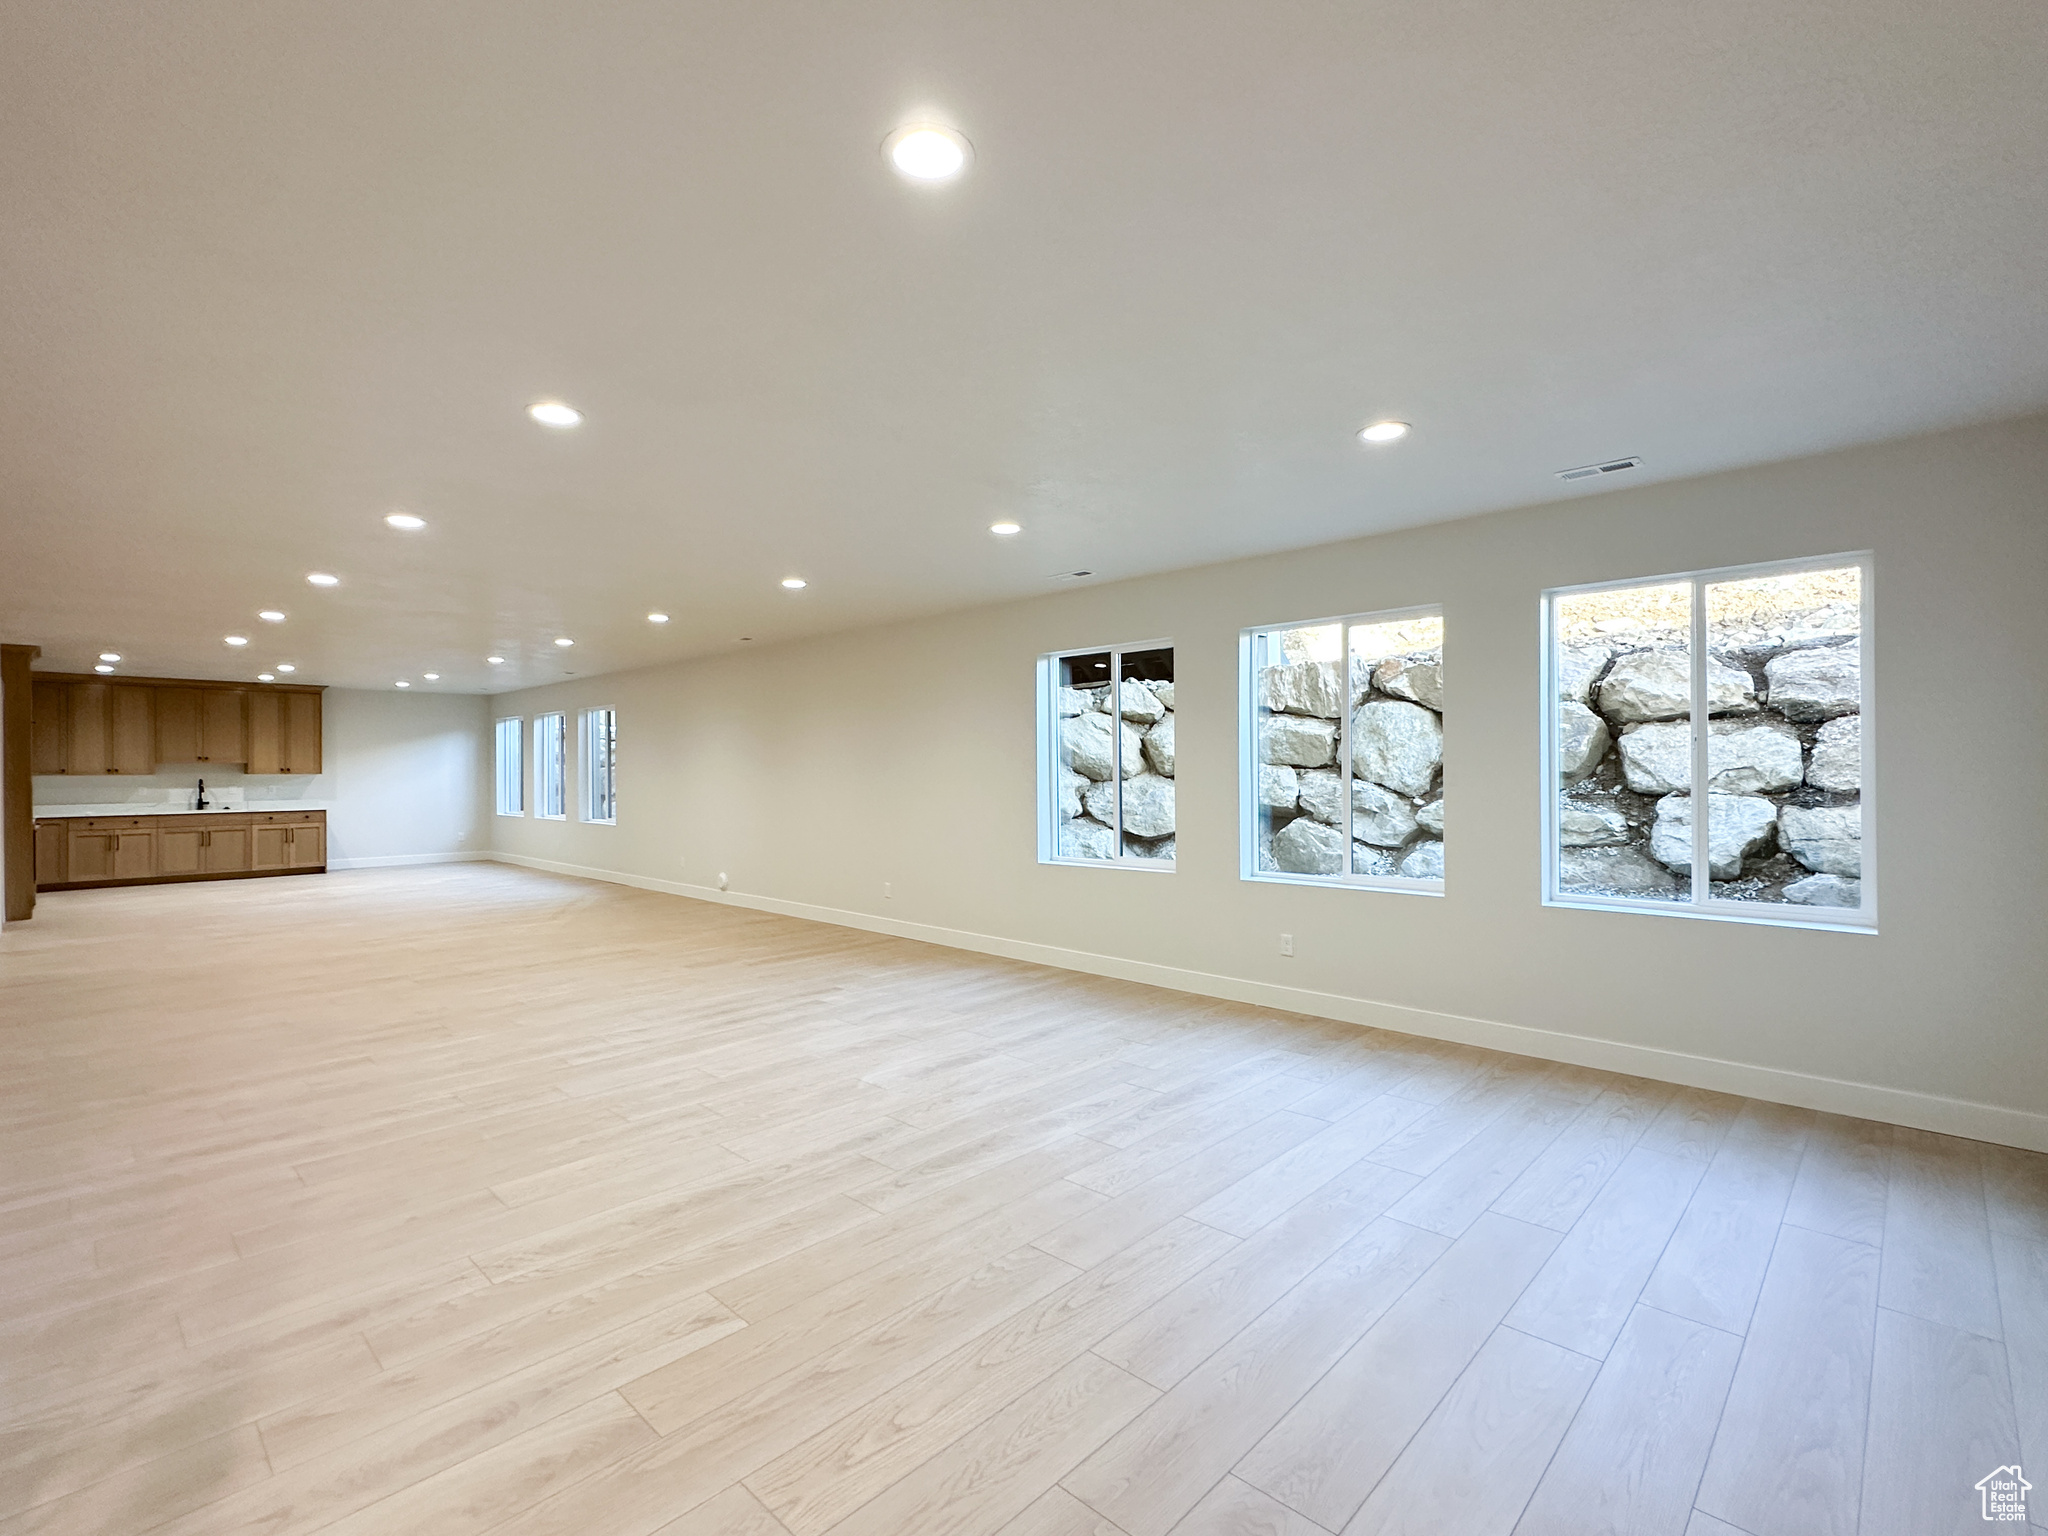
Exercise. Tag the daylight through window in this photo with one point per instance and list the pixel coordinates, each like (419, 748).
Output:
(1344, 751)
(511, 767)
(1777, 654)
(548, 767)
(600, 801)
(1107, 736)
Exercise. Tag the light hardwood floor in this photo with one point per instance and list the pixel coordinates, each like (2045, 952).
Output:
(468, 1200)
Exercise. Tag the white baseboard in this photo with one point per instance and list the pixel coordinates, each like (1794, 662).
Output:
(1868, 1101)
(395, 860)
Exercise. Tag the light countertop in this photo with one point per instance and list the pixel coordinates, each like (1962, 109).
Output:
(147, 808)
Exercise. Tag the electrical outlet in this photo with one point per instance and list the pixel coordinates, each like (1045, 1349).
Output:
(721, 879)
(1286, 943)
(888, 891)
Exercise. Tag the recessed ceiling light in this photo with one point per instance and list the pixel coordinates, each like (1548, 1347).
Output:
(1005, 529)
(271, 616)
(552, 413)
(235, 639)
(110, 655)
(406, 521)
(927, 152)
(795, 583)
(496, 661)
(1383, 432)
(322, 579)
(432, 677)
(564, 640)
(285, 666)
(266, 677)
(401, 683)
(657, 618)
(103, 667)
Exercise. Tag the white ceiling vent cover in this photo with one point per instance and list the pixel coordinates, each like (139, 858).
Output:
(1595, 471)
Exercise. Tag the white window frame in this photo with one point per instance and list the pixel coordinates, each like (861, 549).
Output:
(1248, 757)
(1049, 761)
(591, 778)
(1701, 903)
(561, 766)
(516, 779)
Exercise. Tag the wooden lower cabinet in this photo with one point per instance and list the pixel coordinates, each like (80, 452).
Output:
(120, 850)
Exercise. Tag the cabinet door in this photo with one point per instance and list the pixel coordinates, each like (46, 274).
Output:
(269, 848)
(50, 863)
(223, 729)
(226, 850)
(90, 855)
(308, 846)
(88, 749)
(266, 733)
(49, 728)
(301, 732)
(131, 727)
(180, 851)
(177, 725)
(134, 855)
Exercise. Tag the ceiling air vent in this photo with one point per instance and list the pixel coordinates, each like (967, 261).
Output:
(1595, 471)
(1071, 575)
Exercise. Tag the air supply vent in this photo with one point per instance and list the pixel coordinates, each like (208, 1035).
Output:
(1071, 575)
(1595, 471)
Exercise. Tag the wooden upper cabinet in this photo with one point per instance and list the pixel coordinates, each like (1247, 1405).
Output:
(284, 732)
(131, 730)
(89, 746)
(50, 728)
(201, 725)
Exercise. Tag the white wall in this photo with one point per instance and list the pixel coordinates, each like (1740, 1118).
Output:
(404, 780)
(812, 773)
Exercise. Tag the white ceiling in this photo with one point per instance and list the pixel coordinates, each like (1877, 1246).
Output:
(273, 270)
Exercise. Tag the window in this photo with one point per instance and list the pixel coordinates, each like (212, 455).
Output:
(600, 801)
(548, 767)
(1343, 751)
(1776, 652)
(1107, 757)
(512, 767)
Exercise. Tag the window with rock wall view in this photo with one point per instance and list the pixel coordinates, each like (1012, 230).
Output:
(1344, 746)
(549, 768)
(1776, 652)
(1108, 757)
(511, 765)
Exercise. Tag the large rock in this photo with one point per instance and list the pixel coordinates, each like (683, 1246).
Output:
(1737, 826)
(1827, 839)
(1149, 848)
(1072, 701)
(1743, 757)
(1313, 688)
(1430, 818)
(1163, 692)
(1085, 838)
(1816, 684)
(1837, 760)
(1590, 826)
(1295, 741)
(1397, 745)
(1825, 891)
(1418, 679)
(1085, 746)
(1612, 871)
(1577, 666)
(1425, 861)
(1582, 740)
(1322, 795)
(1657, 685)
(1138, 703)
(1279, 788)
(1368, 860)
(1159, 747)
(1148, 804)
(1306, 847)
(1071, 786)
(1381, 817)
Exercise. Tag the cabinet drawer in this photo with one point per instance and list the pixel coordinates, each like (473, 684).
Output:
(110, 823)
(288, 818)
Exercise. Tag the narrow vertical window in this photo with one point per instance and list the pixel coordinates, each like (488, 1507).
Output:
(1751, 682)
(512, 767)
(599, 744)
(1343, 759)
(1106, 755)
(548, 767)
